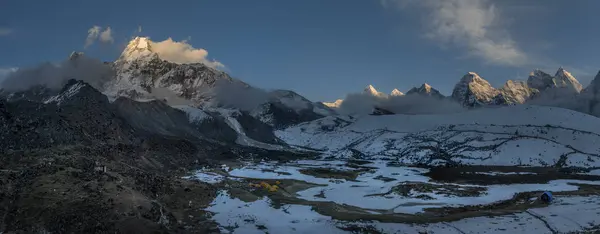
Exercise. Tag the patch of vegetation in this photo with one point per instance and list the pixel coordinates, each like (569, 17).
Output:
(266, 186)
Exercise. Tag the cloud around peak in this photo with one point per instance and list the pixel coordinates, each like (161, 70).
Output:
(470, 24)
(182, 52)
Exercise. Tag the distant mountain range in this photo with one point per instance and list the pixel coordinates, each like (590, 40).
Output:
(473, 91)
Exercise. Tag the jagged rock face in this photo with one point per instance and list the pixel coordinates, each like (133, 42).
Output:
(139, 70)
(78, 115)
(79, 94)
(299, 103)
(540, 80)
(335, 104)
(370, 90)
(562, 79)
(291, 99)
(142, 74)
(38, 93)
(155, 117)
(474, 91)
(284, 108)
(255, 129)
(280, 116)
(514, 92)
(425, 90)
(381, 111)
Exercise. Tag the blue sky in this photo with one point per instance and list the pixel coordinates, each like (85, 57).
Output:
(324, 49)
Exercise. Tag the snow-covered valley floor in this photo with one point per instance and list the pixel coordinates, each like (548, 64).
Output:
(320, 196)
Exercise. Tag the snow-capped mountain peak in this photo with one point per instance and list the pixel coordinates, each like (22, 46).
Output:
(514, 92)
(474, 77)
(540, 80)
(372, 91)
(426, 90)
(472, 90)
(563, 78)
(138, 48)
(396, 92)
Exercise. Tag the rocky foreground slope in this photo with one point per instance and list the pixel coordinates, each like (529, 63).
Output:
(75, 162)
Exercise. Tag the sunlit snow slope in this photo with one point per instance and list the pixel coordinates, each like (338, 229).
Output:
(516, 135)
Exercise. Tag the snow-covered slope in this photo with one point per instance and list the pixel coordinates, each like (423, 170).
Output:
(335, 104)
(515, 135)
(298, 103)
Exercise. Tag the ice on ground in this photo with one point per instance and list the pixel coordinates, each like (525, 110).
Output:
(567, 214)
(251, 217)
(520, 135)
(571, 214)
(496, 173)
(368, 191)
(594, 172)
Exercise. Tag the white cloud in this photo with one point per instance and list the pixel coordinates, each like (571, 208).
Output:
(4, 72)
(5, 31)
(363, 103)
(93, 34)
(96, 33)
(182, 52)
(106, 36)
(90, 70)
(139, 29)
(471, 24)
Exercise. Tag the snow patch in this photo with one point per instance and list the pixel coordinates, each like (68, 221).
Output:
(195, 115)
(74, 89)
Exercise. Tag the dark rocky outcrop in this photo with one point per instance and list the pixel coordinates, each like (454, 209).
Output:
(381, 111)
